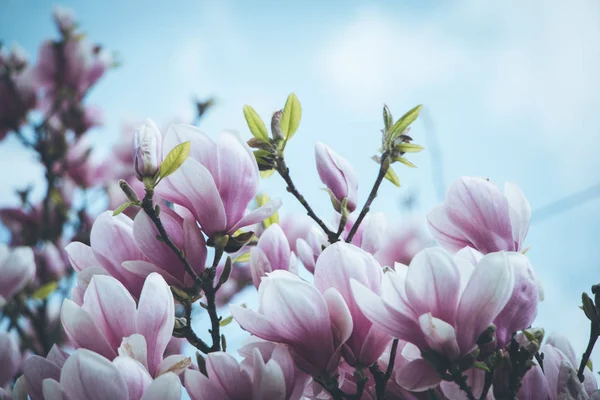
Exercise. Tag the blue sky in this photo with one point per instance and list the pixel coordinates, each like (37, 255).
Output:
(510, 90)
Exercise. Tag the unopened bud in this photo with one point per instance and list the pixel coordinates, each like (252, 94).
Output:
(180, 323)
(64, 18)
(338, 175)
(276, 125)
(147, 145)
(129, 192)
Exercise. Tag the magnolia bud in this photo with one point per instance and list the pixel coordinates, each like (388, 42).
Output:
(64, 18)
(276, 125)
(338, 175)
(147, 145)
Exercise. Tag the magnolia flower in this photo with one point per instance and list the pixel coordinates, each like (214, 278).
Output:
(109, 314)
(338, 175)
(217, 181)
(64, 18)
(10, 358)
(477, 214)
(337, 265)
(268, 372)
(17, 90)
(36, 369)
(183, 231)
(17, 268)
(305, 238)
(90, 376)
(438, 304)
(294, 312)
(272, 252)
(147, 148)
(79, 65)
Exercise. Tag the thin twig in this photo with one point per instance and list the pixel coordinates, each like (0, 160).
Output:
(383, 168)
(284, 171)
(594, 332)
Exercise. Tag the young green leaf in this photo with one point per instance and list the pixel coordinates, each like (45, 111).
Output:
(226, 321)
(392, 177)
(256, 124)
(409, 148)
(388, 120)
(267, 173)
(405, 162)
(243, 258)
(290, 119)
(122, 208)
(45, 290)
(405, 121)
(175, 159)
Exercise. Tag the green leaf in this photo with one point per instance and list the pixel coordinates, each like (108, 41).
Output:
(405, 121)
(122, 208)
(590, 365)
(243, 258)
(405, 162)
(267, 173)
(256, 124)
(226, 321)
(392, 177)
(174, 159)
(481, 365)
(45, 290)
(290, 119)
(388, 120)
(409, 148)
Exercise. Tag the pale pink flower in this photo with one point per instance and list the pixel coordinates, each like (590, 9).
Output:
(109, 314)
(294, 312)
(10, 358)
(216, 183)
(337, 265)
(438, 304)
(271, 253)
(17, 268)
(267, 372)
(88, 375)
(147, 149)
(305, 238)
(338, 175)
(477, 214)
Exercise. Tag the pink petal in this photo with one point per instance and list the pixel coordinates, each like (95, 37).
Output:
(440, 336)
(254, 323)
(202, 148)
(135, 347)
(444, 231)
(145, 268)
(194, 245)
(176, 363)
(134, 374)
(81, 256)
(520, 213)
(339, 314)
(224, 369)
(53, 390)
(199, 387)
(258, 215)
(87, 375)
(418, 376)
(83, 331)
(156, 318)
(487, 292)
(112, 307)
(165, 387)
(36, 369)
(237, 175)
(433, 284)
(193, 187)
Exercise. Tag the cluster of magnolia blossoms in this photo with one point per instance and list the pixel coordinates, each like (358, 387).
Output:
(363, 320)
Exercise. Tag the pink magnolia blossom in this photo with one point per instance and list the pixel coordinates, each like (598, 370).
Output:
(216, 183)
(477, 214)
(271, 253)
(338, 175)
(109, 314)
(10, 358)
(294, 312)
(305, 238)
(337, 265)
(88, 375)
(64, 19)
(36, 369)
(267, 372)
(388, 241)
(183, 231)
(17, 268)
(147, 149)
(439, 304)
(17, 90)
(75, 64)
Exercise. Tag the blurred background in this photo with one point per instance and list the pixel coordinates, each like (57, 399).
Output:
(510, 91)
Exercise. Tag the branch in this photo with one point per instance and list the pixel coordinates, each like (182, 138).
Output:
(382, 378)
(461, 381)
(594, 333)
(384, 165)
(284, 171)
(151, 212)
